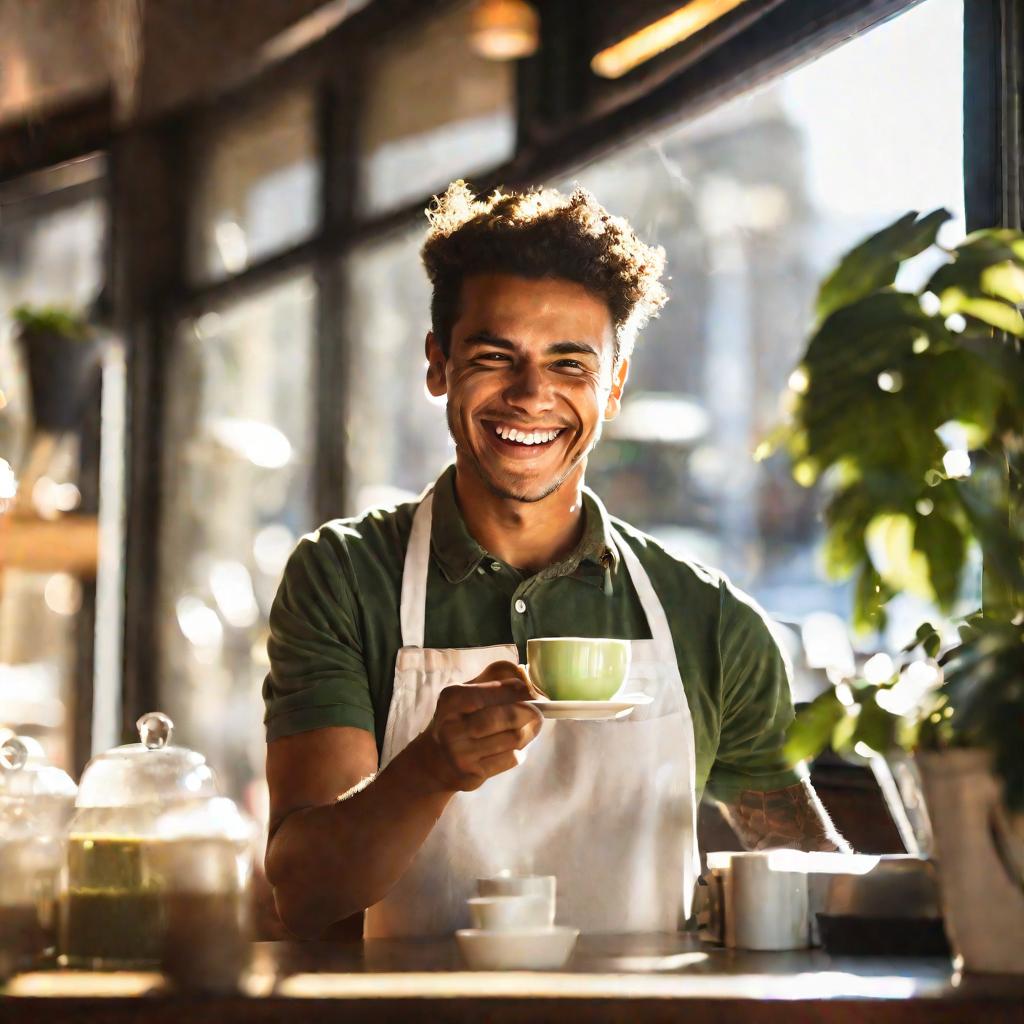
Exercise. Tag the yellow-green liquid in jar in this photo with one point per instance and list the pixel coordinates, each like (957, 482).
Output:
(112, 911)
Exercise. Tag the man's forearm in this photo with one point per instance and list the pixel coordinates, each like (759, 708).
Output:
(791, 818)
(329, 862)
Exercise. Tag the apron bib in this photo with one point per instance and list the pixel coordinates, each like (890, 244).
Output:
(609, 807)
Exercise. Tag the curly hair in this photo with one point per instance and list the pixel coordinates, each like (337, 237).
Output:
(536, 234)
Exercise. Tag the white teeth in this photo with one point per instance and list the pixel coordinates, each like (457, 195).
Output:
(522, 437)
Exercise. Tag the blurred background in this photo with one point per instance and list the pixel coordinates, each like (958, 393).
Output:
(231, 196)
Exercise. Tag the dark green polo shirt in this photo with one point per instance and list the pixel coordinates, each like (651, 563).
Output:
(335, 632)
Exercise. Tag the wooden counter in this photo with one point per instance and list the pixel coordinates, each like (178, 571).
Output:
(630, 979)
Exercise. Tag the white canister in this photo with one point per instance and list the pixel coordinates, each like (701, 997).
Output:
(765, 900)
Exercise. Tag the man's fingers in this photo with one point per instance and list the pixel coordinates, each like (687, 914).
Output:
(499, 763)
(499, 718)
(472, 751)
(499, 670)
(465, 698)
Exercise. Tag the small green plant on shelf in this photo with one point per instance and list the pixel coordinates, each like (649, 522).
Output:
(35, 321)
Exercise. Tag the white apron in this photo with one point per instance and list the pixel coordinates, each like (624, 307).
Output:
(608, 807)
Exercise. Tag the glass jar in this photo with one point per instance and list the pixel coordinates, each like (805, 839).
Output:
(36, 800)
(113, 908)
(204, 859)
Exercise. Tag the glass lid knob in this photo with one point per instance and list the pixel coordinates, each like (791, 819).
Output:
(155, 730)
(13, 754)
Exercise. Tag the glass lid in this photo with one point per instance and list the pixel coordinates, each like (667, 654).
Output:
(25, 773)
(36, 797)
(152, 771)
(218, 818)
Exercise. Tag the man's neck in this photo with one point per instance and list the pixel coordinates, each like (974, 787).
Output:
(529, 535)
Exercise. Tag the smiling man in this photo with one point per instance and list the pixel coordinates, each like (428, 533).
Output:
(404, 759)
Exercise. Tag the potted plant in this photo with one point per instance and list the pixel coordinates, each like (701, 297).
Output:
(61, 353)
(909, 405)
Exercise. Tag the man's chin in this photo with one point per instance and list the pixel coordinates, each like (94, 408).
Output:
(518, 487)
(520, 490)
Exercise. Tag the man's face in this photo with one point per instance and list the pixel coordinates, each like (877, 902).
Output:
(529, 380)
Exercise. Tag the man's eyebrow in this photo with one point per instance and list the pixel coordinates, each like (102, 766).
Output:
(564, 348)
(557, 348)
(486, 338)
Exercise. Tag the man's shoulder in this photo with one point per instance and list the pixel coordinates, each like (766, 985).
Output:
(376, 538)
(671, 564)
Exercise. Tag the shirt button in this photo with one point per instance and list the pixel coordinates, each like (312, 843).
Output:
(520, 606)
(495, 566)
(480, 569)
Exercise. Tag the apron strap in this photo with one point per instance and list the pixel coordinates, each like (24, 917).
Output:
(661, 634)
(414, 575)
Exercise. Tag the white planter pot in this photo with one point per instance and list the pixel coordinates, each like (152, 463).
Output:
(979, 860)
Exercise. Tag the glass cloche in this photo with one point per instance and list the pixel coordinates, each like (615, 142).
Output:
(113, 906)
(36, 800)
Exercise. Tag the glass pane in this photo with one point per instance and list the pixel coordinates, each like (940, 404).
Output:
(399, 438)
(754, 202)
(237, 498)
(258, 186)
(53, 259)
(434, 111)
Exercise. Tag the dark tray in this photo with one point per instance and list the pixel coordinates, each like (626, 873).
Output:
(883, 936)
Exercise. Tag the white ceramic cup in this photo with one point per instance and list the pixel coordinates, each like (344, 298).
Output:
(509, 913)
(766, 906)
(541, 887)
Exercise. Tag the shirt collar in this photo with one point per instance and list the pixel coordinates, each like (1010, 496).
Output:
(458, 554)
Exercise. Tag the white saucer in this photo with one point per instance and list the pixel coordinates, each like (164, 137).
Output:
(591, 710)
(529, 949)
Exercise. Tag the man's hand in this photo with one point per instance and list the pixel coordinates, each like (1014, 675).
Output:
(479, 728)
(791, 818)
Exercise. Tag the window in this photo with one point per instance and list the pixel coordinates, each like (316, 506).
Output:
(434, 110)
(257, 191)
(237, 498)
(754, 202)
(46, 258)
(398, 438)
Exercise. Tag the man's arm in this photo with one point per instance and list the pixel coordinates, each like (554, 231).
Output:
(342, 833)
(791, 818)
(761, 794)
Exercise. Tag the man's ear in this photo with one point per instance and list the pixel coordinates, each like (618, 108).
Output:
(619, 374)
(437, 364)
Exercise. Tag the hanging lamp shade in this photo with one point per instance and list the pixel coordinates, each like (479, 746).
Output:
(504, 29)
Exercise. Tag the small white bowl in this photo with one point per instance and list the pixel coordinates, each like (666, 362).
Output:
(533, 949)
(518, 885)
(510, 913)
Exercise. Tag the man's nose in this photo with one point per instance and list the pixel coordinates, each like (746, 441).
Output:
(529, 390)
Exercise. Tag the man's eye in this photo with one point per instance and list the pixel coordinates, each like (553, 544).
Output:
(493, 357)
(570, 364)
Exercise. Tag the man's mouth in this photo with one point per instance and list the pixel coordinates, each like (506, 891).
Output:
(515, 438)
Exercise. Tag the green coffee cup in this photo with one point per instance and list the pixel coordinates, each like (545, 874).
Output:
(578, 668)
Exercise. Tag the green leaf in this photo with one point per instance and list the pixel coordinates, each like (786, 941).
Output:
(812, 727)
(870, 596)
(890, 539)
(927, 636)
(995, 312)
(945, 550)
(874, 263)
(876, 727)
(36, 320)
(842, 735)
(1005, 281)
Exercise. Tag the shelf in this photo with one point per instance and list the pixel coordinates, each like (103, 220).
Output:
(69, 544)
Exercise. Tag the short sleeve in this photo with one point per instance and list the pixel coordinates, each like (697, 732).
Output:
(317, 674)
(757, 703)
